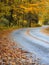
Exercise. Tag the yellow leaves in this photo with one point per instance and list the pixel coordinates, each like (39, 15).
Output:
(40, 22)
(25, 21)
(21, 6)
(14, 15)
(39, 7)
(33, 5)
(28, 9)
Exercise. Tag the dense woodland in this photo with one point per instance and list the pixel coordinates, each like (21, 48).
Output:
(24, 13)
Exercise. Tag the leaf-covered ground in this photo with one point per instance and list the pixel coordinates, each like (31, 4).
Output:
(46, 31)
(10, 54)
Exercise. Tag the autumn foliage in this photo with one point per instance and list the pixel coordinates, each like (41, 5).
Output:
(15, 12)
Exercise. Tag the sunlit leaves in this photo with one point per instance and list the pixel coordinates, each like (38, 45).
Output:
(20, 7)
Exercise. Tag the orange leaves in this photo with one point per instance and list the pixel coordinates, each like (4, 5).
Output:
(10, 53)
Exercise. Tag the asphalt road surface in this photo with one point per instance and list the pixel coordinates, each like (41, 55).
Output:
(34, 41)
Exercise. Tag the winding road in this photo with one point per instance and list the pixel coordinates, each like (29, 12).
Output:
(34, 41)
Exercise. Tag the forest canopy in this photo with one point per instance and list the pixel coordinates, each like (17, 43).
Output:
(24, 12)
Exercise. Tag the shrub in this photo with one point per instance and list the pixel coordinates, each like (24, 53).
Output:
(4, 22)
(36, 25)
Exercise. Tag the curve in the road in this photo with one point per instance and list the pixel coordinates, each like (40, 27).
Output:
(33, 41)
